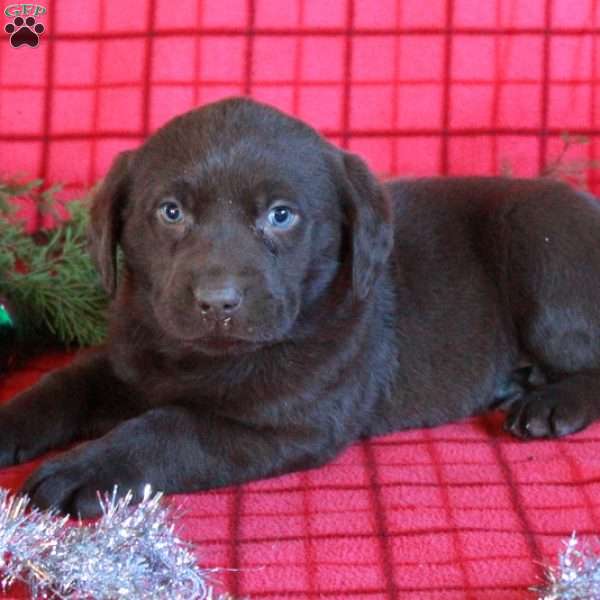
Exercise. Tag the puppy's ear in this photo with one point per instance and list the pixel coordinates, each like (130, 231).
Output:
(105, 220)
(369, 211)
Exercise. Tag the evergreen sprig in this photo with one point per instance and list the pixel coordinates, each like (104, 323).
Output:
(48, 277)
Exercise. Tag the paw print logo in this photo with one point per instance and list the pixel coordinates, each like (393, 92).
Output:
(24, 32)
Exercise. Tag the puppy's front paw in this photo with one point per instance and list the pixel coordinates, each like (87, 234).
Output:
(71, 482)
(546, 413)
(18, 441)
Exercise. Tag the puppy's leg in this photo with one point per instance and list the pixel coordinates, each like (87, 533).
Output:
(554, 275)
(175, 450)
(82, 400)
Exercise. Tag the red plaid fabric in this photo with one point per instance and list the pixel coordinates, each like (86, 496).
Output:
(417, 88)
(457, 512)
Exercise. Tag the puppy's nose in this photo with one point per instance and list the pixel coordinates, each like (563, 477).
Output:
(219, 302)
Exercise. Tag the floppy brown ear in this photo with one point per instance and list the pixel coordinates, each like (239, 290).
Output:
(369, 212)
(105, 220)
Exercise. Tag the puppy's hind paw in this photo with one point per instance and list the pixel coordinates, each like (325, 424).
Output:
(546, 413)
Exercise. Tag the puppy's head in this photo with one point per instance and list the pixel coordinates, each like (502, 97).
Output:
(234, 220)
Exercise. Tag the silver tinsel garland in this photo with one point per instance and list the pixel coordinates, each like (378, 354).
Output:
(133, 553)
(577, 575)
(129, 552)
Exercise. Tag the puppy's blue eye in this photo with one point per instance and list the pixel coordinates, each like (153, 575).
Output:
(281, 217)
(171, 212)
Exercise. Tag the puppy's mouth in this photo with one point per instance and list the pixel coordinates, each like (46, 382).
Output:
(220, 345)
(220, 337)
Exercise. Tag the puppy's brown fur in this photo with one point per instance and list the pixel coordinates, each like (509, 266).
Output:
(241, 349)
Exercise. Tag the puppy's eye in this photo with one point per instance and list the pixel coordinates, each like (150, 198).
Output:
(281, 217)
(171, 212)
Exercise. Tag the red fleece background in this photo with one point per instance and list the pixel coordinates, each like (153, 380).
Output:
(416, 87)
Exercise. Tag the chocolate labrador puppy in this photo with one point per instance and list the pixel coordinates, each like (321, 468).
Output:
(276, 303)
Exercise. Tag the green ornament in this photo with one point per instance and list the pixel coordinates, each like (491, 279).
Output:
(8, 334)
(5, 318)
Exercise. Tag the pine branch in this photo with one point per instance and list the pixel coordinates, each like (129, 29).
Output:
(49, 277)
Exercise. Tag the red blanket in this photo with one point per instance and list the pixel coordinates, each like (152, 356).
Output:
(458, 512)
(417, 87)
